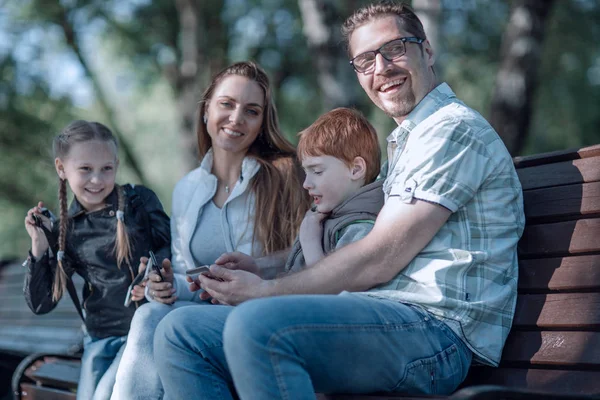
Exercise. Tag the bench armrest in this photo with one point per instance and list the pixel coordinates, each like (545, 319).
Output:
(492, 392)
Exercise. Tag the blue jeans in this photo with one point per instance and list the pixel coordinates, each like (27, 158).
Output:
(137, 377)
(99, 366)
(291, 346)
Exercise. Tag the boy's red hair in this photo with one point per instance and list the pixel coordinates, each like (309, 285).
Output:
(345, 134)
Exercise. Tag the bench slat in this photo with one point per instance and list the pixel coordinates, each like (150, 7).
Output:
(572, 349)
(560, 174)
(572, 201)
(556, 381)
(32, 392)
(556, 156)
(560, 238)
(383, 396)
(567, 311)
(565, 273)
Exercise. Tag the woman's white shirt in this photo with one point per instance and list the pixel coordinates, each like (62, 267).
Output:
(191, 194)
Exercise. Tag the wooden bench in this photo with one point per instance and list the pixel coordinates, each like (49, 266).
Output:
(24, 334)
(554, 347)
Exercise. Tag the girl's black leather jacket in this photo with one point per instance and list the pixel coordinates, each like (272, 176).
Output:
(90, 253)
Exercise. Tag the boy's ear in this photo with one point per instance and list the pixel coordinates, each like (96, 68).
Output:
(60, 168)
(359, 168)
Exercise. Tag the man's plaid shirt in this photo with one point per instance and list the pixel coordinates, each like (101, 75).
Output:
(446, 153)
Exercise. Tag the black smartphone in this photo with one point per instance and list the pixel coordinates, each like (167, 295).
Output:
(154, 265)
(38, 221)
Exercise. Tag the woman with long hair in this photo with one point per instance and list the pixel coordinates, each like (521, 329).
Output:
(245, 196)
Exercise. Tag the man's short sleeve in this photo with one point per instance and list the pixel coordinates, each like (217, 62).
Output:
(443, 162)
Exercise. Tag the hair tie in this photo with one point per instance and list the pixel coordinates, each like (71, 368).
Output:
(120, 215)
(60, 255)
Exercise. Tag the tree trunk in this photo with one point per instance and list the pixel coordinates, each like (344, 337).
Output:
(512, 98)
(428, 12)
(322, 32)
(198, 61)
(73, 42)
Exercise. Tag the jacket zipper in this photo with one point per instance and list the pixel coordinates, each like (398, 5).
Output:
(90, 295)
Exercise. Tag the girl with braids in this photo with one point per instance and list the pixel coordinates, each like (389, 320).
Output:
(101, 236)
(245, 196)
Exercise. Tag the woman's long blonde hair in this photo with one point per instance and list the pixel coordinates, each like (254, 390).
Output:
(77, 132)
(280, 199)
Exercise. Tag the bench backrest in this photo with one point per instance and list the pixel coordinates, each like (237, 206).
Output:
(22, 332)
(555, 341)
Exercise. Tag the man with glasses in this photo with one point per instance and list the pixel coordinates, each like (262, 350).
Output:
(409, 307)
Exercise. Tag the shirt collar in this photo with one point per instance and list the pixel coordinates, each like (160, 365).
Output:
(76, 208)
(429, 105)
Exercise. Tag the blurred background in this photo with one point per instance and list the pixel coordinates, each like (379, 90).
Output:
(532, 67)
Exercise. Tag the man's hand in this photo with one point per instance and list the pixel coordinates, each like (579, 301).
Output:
(238, 261)
(231, 287)
(137, 293)
(162, 290)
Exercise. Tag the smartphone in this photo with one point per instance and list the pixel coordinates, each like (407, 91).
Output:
(194, 272)
(136, 281)
(152, 263)
(46, 213)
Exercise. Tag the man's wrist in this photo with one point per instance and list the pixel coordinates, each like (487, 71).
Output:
(267, 288)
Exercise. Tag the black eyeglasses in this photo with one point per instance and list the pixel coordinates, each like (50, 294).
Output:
(390, 51)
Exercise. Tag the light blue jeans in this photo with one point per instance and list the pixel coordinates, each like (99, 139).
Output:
(99, 366)
(291, 346)
(137, 377)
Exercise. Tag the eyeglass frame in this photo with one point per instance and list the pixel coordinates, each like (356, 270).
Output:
(409, 39)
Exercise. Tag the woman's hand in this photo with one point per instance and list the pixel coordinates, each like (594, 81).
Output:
(162, 290)
(39, 242)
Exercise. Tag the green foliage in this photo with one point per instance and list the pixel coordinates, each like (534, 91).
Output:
(134, 49)
(566, 113)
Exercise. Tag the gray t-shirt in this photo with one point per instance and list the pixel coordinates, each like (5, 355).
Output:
(208, 242)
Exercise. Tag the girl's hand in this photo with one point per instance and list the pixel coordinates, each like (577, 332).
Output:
(39, 243)
(137, 293)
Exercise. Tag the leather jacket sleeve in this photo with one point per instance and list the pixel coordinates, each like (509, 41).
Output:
(39, 280)
(159, 223)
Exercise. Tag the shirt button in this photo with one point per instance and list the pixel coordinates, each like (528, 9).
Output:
(111, 213)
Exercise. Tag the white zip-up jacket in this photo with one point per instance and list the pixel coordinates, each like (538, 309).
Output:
(190, 196)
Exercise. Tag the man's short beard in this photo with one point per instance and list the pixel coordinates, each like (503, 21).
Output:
(402, 107)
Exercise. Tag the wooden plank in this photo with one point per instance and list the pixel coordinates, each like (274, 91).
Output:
(382, 396)
(566, 311)
(552, 348)
(565, 273)
(56, 372)
(560, 174)
(32, 392)
(562, 202)
(560, 238)
(556, 381)
(556, 156)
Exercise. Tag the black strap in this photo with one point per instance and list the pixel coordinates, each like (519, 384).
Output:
(73, 294)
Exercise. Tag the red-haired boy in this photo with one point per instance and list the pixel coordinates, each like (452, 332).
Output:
(341, 157)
